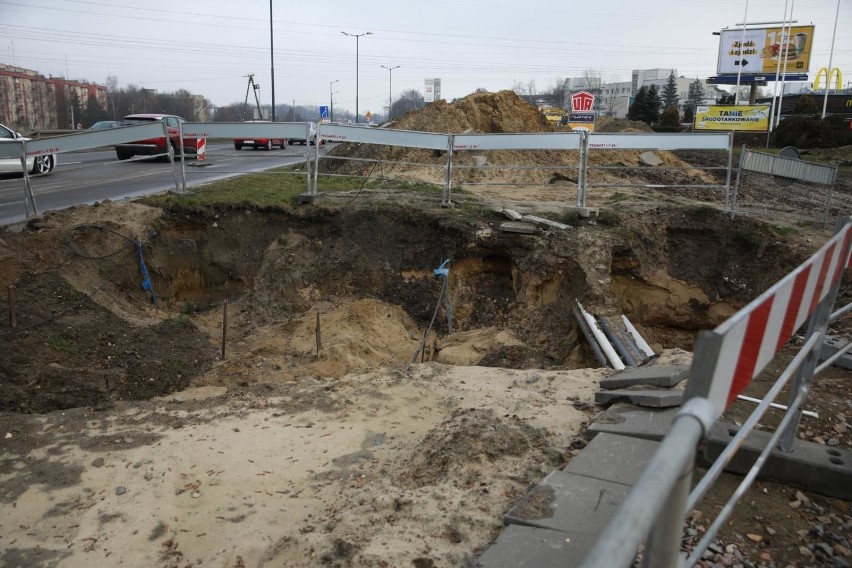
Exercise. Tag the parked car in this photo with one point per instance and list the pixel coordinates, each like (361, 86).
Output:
(264, 143)
(35, 165)
(154, 146)
(313, 137)
(100, 125)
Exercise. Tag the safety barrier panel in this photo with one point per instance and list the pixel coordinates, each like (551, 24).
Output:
(562, 141)
(249, 130)
(785, 186)
(726, 360)
(386, 137)
(75, 142)
(599, 144)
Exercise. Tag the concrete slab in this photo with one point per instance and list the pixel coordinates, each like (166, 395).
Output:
(309, 198)
(649, 398)
(652, 375)
(613, 457)
(520, 546)
(822, 469)
(635, 422)
(831, 346)
(518, 227)
(546, 222)
(569, 502)
(512, 214)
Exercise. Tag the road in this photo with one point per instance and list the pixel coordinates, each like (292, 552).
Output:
(87, 177)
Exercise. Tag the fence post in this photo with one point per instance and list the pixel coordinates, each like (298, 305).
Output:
(730, 165)
(29, 197)
(733, 204)
(582, 169)
(448, 176)
(818, 324)
(662, 550)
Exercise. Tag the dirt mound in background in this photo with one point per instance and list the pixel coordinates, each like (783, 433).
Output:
(497, 113)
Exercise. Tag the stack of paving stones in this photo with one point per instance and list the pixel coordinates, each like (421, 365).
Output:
(559, 520)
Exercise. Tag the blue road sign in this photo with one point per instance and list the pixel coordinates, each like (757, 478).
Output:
(323, 112)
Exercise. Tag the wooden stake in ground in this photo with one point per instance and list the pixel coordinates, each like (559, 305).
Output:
(224, 327)
(319, 335)
(13, 321)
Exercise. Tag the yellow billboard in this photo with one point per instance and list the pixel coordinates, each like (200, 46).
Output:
(760, 50)
(753, 118)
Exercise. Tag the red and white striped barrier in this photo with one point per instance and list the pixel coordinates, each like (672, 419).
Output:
(752, 337)
(201, 149)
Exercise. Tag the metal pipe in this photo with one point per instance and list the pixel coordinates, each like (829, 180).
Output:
(587, 333)
(606, 347)
(830, 63)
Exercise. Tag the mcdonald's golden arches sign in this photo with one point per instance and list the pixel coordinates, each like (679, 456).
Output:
(828, 75)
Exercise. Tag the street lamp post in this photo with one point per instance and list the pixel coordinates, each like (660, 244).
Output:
(357, 37)
(390, 88)
(271, 61)
(331, 98)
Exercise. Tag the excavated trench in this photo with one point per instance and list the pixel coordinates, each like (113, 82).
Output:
(328, 292)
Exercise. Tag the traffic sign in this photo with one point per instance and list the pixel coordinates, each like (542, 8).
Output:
(323, 112)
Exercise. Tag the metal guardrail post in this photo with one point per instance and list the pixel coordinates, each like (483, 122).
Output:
(582, 168)
(733, 203)
(730, 165)
(448, 175)
(29, 196)
(308, 155)
(182, 153)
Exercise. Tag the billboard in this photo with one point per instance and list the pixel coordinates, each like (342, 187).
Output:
(758, 50)
(752, 118)
(432, 90)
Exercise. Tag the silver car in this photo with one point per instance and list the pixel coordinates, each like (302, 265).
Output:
(35, 165)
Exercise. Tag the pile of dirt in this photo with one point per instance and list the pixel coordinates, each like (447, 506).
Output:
(499, 113)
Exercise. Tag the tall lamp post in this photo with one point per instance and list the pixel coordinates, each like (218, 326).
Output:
(331, 98)
(390, 88)
(271, 61)
(357, 37)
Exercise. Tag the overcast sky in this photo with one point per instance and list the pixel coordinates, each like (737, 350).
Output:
(209, 46)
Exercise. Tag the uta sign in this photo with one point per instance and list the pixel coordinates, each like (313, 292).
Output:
(582, 101)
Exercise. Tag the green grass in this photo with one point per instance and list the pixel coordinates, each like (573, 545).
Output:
(176, 365)
(62, 342)
(276, 187)
(181, 320)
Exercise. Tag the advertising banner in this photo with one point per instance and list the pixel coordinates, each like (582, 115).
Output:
(758, 50)
(752, 118)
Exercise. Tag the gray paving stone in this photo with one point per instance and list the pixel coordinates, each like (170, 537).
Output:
(822, 469)
(654, 375)
(628, 420)
(650, 398)
(831, 346)
(613, 457)
(518, 227)
(568, 502)
(520, 546)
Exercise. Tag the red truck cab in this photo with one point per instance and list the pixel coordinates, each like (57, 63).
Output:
(155, 146)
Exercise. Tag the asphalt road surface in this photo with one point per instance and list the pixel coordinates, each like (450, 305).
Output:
(87, 177)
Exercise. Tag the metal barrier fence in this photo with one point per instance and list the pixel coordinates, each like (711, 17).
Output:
(248, 133)
(726, 360)
(708, 182)
(25, 149)
(786, 187)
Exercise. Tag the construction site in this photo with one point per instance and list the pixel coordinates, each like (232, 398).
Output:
(376, 379)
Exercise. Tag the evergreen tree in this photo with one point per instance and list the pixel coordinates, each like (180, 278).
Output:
(670, 98)
(670, 118)
(640, 101)
(689, 115)
(695, 96)
(806, 105)
(654, 103)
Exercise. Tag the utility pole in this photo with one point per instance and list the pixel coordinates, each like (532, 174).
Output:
(331, 99)
(253, 87)
(390, 88)
(294, 110)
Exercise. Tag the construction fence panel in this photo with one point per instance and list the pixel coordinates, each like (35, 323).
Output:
(248, 131)
(76, 142)
(379, 155)
(726, 360)
(789, 189)
(561, 172)
(695, 167)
